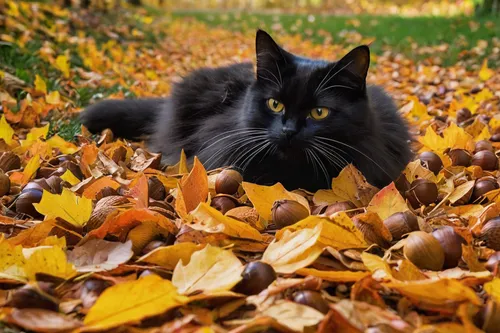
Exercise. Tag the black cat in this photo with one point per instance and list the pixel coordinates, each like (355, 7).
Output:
(298, 122)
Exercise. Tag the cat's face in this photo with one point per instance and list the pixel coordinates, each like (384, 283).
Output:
(305, 104)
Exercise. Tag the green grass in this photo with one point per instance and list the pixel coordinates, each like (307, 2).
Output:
(390, 32)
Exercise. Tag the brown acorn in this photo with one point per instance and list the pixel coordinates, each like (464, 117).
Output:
(103, 208)
(105, 192)
(463, 115)
(483, 186)
(425, 251)
(156, 190)
(288, 212)
(422, 192)
(431, 161)
(312, 299)
(9, 161)
(488, 318)
(495, 137)
(451, 242)
(339, 207)
(460, 157)
(490, 234)
(55, 184)
(257, 276)
(483, 145)
(400, 224)
(223, 204)
(4, 184)
(61, 159)
(25, 201)
(228, 181)
(493, 262)
(486, 160)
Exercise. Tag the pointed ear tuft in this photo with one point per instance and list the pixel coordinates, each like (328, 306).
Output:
(269, 56)
(357, 61)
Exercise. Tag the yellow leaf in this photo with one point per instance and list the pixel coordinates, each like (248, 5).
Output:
(64, 147)
(376, 265)
(436, 295)
(183, 168)
(263, 197)
(408, 272)
(68, 206)
(211, 269)
(338, 231)
(209, 219)
(454, 137)
(293, 315)
(333, 276)
(492, 288)
(47, 260)
(12, 260)
(415, 170)
(132, 301)
(70, 177)
(415, 111)
(295, 250)
(40, 84)
(349, 185)
(30, 169)
(167, 257)
(62, 64)
(387, 202)
(461, 190)
(53, 98)
(485, 73)
(6, 132)
(37, 133)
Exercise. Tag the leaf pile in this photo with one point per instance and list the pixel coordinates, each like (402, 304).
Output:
(98, 235)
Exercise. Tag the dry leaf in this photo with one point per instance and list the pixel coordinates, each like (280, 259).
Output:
(168, 256)
(293, 315)
(40, 320)
(387, 202)
(68, 206)
(98, 255)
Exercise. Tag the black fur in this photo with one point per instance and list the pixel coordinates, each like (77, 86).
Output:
(221, 115)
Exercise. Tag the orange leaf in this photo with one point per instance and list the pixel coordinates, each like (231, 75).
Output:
(193, 189)
(139, 191)
(387, 202)
(91, 191)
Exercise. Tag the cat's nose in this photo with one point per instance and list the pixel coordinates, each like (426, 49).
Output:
(288, 132)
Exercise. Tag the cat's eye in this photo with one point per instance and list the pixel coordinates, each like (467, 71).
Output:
(275, 105)
(319, 113)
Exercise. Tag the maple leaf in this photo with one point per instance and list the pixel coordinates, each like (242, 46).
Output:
(138, 299)
(485, 73)
(209, 270)
(68, 206)
(47, 260)
(62, 64)
(6, 132)
(40, 84)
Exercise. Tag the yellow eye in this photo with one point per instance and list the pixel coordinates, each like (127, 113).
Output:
(274, 105)
(319, 113)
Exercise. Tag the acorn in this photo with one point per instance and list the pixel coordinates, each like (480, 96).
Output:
(490, 234)
(61, 159)
(422, 192)
(37, 184)
(288, 212)
(312, 299)
(339, 207)
(103, 208)
(463, 115)
(39, 296)
(156, 190)
(425, 251)
(488, 318)
(153, 245)
(105, 192)
(257, 276)
(369, 232)
(495, 137)
(460, 157)
(55, 184)
(4, 184)
(451, 242)
(223, 204)
(25, 201)
(400, 224)
(483, 186)
(493, 262)
(483, 145)
(486, 160)
(9, 161)
(228, 181)
(431, 161)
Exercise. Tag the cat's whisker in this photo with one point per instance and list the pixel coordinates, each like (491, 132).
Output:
(279, 73)
(278, 82)
(335, 86)
(313, 162)
(327, 149)
(253, 155)
(238, 131)
(356, 150)
(246, 154)
(321, 165)
(238, 144)
(242, 151)
(268, 79)
(332, 158)
(323, 82)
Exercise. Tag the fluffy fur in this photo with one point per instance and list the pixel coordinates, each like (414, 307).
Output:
(222, 116)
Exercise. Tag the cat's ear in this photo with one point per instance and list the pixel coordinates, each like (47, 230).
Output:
(270, 57)
(357, 62)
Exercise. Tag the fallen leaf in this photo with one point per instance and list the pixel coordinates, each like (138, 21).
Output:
(62, 64)
(6, 132)
(293, 315)
(211, 269)
(40, 84)
(67, 205)
(64, 146)
(167, 257)
(70, 177)
(193, 189)
(333, 276)
(492, 288)
(485, 73)
(294, 250)
(138, 299)
(47, 260)
(53, 98)
(40, 320)
(387, 202)
(98, 255)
